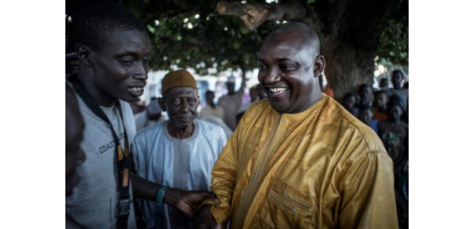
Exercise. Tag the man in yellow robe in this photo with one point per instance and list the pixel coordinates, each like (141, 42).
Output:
(298, 159)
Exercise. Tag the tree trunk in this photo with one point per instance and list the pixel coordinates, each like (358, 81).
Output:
(349, 32)
(347, 67)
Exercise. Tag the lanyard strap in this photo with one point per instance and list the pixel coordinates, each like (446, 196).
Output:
(123, 159)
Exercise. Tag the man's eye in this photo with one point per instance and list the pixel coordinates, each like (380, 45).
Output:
(127, 60)
(177, 101)
(287, 67)
(262, 66)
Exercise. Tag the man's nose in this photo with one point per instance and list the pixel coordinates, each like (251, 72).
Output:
(273, 75)
(141, 71)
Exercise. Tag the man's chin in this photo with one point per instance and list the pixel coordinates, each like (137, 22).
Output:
(279, 107)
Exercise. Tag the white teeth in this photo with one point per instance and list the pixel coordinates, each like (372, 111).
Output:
(280, 89)
(137, 89)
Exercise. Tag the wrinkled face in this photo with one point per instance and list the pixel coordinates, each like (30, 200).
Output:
(181, 104)
(120, 67)
(365, 115)
(74, 154)
(288, 73)
(395, 112)
(349, 102)
(381, 100)
(397, 80)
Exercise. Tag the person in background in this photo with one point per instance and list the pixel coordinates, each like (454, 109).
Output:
(261, 92)
(393, 133)
(365, 96)
(212, 109)
(74, 154)
(113, 48)
(74, 127)
(150, 116)
(72, 63)
(253, 97)
(398, 78)
(380, 110)
(232, 101)
(365, 115)
(298, 159)
(179, 152)
(326, 89)
(349, 101)
(383, 84)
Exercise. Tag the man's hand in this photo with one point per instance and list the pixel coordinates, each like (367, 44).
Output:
(205, 220)
(188, 202)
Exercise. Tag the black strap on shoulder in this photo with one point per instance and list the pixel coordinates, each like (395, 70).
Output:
(123, 159)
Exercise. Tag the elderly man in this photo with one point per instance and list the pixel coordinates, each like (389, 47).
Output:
(179, 152)
(113, 48)
(298, 159)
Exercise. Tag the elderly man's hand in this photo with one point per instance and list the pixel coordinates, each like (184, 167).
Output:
(205, 220)
(188, 202)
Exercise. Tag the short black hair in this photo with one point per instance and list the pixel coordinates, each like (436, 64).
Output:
(381, 92)
(364, 107)
(209, 92)
(92, 24)
(395, 100)
(399, 72)
(348, 95)
(361, 87)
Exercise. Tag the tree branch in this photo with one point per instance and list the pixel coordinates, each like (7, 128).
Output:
(254, 14)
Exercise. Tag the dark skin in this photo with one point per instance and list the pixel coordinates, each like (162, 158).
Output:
(395, 113)
(397, 80)
(181, 105)
(289, 67)
(210, 99)
(74, 128)
(118, 70)
(365, 93)
(365, 115)
(381, 100)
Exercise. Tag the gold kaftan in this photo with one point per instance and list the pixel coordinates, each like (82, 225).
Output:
(321, 168)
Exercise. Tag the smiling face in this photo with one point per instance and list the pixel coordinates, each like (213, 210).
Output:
(118, 70)
(289, 65)
(181, 104)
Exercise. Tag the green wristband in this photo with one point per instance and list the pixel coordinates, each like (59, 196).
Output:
(159, 196)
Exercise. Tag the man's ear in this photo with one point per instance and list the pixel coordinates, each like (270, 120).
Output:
(319, 64)
(162, 104)
(83, 53)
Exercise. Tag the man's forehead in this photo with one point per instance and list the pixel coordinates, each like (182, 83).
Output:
(128, 40)
(181, 92)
